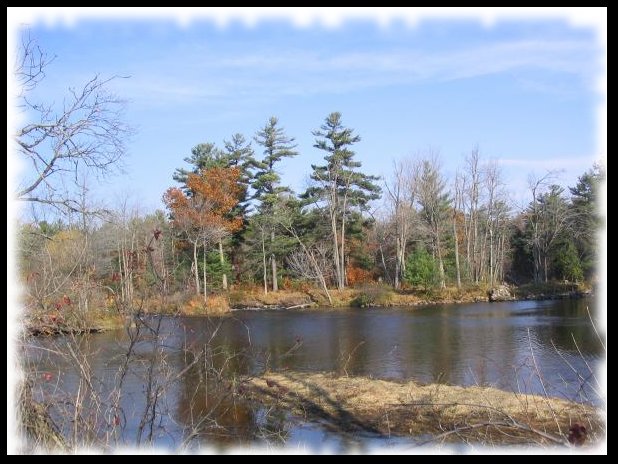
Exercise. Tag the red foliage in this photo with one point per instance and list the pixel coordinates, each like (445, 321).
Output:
(213, 194)
(356, 275)
(62, 302)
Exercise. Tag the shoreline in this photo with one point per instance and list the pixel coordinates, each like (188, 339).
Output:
(369, 296)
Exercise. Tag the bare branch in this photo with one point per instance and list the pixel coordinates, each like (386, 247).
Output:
(85, 133)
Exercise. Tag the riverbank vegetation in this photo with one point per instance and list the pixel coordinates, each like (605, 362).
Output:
(443, 413)
(233, 235)
(231, 224)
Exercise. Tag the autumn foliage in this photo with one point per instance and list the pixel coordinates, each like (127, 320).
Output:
(208, 202)
(356, 275)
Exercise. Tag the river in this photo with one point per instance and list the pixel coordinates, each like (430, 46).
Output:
(544, 347)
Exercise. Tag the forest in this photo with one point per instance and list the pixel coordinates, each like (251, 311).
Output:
(230, 226)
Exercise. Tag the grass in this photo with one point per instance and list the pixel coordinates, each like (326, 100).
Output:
(481, 415)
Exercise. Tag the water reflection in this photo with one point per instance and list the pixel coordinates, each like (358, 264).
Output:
(458, 344)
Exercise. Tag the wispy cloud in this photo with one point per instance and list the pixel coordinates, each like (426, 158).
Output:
(267, 73)
(559, 56)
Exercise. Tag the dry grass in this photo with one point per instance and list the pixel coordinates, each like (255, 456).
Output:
(36, 425)
(477, 414)
(256, 298)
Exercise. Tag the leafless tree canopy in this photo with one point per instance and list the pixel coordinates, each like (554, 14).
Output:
(60, 143)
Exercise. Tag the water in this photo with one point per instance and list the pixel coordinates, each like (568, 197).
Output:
(531, 346)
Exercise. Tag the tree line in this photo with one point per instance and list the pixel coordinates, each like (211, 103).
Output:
(414, 228)
(231, 220)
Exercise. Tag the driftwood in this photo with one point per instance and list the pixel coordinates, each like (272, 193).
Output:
(299, 306)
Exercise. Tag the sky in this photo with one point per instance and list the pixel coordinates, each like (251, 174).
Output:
(525, 90)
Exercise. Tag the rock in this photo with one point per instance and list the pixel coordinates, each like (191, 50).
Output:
(500, 293)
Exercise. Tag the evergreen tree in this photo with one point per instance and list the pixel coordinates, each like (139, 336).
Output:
(585, 220)
(268, 191)
(203, 156)
(339, 186)
(421, 269)
(435, 209)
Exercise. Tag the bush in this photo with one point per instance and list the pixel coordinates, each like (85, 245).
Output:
(421, 269)
(373, 295)
(356, 275)
(567, 263)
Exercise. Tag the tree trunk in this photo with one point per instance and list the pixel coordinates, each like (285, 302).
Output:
(336, 251)
(491, 258)
(342, 256)
(317, 270)
(382, 259)
(273, 262)
(195, 266)
(441, 268)
(457, 252)
(121, 258)
(264, 264)
(224, 277)
(396, 277)
(204, 269)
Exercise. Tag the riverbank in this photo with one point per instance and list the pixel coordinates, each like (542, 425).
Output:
(224, 303)
(443, 413)
(367, 296)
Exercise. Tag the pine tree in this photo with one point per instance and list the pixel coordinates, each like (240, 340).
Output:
(339, 186)
(268, 191)
(585, 220)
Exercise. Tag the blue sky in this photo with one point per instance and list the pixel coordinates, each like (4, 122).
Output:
(524, 90)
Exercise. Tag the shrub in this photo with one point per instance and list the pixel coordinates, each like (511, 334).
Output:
(356, 275)
(373, 295)
(421, 269)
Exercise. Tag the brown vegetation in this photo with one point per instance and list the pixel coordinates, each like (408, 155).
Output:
(482, 415)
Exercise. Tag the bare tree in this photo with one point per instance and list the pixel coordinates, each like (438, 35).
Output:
(401, 198)
(482, 201)
(549, 216)
(540, 243)
(307, 261)
(471, 199)
(85, 133)
(497, 217)
(457, 205)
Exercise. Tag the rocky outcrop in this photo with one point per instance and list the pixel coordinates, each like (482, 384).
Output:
(500, 293)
